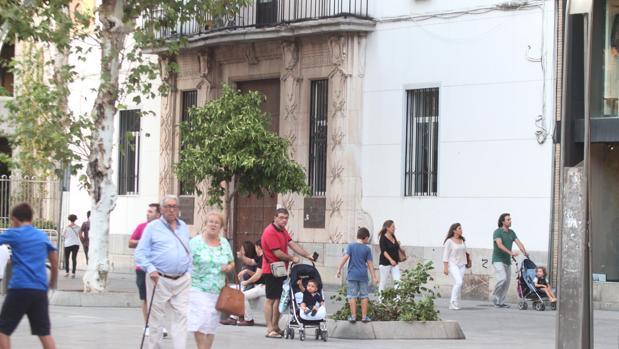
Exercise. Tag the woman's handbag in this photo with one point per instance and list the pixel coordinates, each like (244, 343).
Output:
(401, 254)
(469, 261)
(231, 301)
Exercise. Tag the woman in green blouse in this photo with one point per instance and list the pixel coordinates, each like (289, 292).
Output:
(212, 259)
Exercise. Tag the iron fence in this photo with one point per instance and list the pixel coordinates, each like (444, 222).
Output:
(43, 195)
(263, 13)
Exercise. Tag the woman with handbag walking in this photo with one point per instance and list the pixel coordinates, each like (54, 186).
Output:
(388, 263)
(71, 245)
(455, 261)
(212, 260)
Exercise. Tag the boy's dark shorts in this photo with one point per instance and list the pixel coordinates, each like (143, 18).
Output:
(273, 286)
(140, 281)
(25, 301)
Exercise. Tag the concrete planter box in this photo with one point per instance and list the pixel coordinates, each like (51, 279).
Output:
(395, 330)
(81, 299)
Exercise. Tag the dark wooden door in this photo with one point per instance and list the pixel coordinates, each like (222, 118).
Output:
(252, 214)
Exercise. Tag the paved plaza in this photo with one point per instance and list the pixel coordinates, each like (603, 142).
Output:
(484, 326)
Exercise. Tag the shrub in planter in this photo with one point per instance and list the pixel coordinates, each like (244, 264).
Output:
(411, 300)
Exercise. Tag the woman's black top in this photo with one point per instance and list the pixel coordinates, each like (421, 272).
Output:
(392, 249)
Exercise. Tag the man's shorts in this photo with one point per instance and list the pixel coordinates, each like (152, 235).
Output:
(25, 301)
(357, 289)
(140, 281)
(273, 286)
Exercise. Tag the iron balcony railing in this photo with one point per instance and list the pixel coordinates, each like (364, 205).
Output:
(265, 13)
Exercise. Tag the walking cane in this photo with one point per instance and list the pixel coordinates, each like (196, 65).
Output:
(150, 306)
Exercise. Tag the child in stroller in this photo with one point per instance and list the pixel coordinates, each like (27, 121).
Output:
(305, 293)
(542, 285)
(527, 290)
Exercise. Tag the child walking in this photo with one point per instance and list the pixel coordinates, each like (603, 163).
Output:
(542, 284)
(27, 294)
(359, 258)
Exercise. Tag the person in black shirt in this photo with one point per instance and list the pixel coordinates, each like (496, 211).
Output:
(541, 284)
(389, 255)
(253, 283)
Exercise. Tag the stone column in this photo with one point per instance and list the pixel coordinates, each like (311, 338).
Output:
(167, 179)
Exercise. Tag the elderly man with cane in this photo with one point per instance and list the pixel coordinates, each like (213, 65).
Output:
(163, 251)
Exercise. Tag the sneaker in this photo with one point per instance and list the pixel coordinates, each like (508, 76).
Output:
(503, 306)
(146, 331)
(66, 275)
(352, 320)
(165, 333)
(72, 276)
(453, 305)
(245, 323)
(366, 319)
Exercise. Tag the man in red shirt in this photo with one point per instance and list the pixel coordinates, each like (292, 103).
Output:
(275, 242)
(153, 212)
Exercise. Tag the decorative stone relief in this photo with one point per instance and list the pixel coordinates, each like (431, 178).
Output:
(250, 54)
(290, 78)
(336, 236)
(335, 205)
(336, 139)
(205, 65)
(288, 203)
(336, 172)
(292, 138)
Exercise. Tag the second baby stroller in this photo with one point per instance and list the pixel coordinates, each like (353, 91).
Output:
(303, 272)
(526, 288)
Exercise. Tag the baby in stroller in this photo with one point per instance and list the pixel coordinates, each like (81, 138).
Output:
(312, 306)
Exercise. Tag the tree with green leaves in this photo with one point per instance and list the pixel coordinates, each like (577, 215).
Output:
(117, 32)
(228, 143)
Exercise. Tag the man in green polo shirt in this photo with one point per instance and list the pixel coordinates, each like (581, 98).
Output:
(503, 238)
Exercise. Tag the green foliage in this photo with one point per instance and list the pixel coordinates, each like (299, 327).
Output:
(412, 300)
(48, 134)
(228, 140)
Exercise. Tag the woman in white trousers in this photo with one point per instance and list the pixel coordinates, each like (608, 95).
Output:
(389, 259)
(454, 261)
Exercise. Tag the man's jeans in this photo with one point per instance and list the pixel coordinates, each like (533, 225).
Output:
(503, 276)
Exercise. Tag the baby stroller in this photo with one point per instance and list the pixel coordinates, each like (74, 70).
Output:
(526, 288)
(303, 272)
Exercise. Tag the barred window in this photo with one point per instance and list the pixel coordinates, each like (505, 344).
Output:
(129, 152)
(189, 100)
(318, 138)
(421, 147)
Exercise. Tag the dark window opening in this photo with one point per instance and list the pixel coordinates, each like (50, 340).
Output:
(189, 100)
(129, 152)
(421, 147)
(318, 138)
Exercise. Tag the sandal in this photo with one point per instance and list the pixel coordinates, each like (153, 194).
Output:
(273, 334)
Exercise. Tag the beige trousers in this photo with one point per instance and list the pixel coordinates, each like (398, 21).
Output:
(175, 295)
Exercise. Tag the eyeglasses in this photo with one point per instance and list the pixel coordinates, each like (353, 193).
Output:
(173, 207)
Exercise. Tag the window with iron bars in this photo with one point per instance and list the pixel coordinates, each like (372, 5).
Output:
(189, 100)
(129, 152)
(421, 143)
(318, 138)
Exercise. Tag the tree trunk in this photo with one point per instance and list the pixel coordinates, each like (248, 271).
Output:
(99, 170)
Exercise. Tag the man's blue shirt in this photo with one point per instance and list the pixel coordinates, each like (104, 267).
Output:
(159, 250)
(29, 250)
